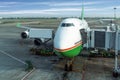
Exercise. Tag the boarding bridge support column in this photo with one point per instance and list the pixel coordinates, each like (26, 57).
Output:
(116, 67)
(116, 51)
(107, 40)
(92, 38)
(88, 39)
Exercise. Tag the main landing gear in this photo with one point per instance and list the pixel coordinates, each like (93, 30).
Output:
(115, 74)
(69, 65)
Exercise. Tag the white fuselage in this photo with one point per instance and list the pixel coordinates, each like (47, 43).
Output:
(68, 33)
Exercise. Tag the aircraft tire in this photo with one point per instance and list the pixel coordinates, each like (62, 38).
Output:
(66, 67)
(70, 67)
(115, 74)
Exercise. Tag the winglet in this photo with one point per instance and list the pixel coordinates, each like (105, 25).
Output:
(18, 25)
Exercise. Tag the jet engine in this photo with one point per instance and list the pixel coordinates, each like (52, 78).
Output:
(37, 41)
(25, 34)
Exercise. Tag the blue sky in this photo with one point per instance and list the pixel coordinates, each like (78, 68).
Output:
(58, 8)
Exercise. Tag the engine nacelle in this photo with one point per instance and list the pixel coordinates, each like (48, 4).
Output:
(37, 42)
(25, 34)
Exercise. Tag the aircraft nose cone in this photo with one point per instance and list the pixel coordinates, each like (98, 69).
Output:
(63, 42)
(59, 43)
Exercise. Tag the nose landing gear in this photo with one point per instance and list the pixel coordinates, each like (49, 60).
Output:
(69, 65)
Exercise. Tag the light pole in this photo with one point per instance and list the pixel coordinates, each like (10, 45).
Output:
(115, 12)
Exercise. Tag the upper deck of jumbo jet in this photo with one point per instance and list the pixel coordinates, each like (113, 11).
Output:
(73, 22)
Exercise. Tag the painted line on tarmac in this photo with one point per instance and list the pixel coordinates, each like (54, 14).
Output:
(28, 74)
(13, 57)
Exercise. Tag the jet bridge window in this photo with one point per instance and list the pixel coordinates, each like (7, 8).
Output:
(67, 24)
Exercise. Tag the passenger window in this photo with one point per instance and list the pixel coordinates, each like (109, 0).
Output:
(63, 25)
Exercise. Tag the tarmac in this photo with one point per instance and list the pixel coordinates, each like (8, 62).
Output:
(14, 52)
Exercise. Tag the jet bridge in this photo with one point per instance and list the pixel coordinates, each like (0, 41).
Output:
(102, 39)
(41, 35)
(106, 40)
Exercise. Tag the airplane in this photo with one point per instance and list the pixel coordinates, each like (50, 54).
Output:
(69, 38)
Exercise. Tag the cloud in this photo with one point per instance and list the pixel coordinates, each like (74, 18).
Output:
(33, 3)
(53, 3)
(8, 3)
(45, 11)
(52, 11)
(103, 9)
(74, 3)
(112, 7)
(4, 6)
(62, 9)
(54, 8)
(27, 12)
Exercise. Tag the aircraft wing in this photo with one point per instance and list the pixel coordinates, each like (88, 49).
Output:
(20, 26)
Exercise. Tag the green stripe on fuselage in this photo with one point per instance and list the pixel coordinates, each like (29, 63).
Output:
(70, 53)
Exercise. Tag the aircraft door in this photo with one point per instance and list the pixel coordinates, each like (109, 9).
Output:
(83, 35)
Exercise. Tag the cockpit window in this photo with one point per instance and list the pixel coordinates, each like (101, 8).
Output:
(67, 24)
